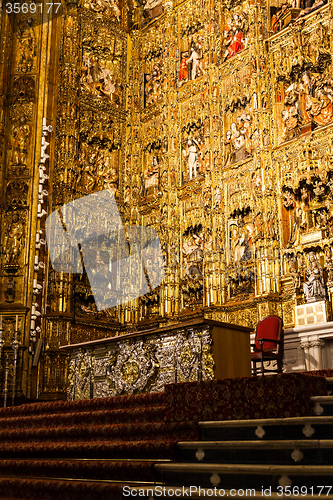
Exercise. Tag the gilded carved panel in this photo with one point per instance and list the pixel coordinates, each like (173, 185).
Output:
(241, 135)
(194, 28)
(301, 66)
(103, 63)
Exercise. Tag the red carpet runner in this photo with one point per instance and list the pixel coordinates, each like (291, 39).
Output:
(87, 450)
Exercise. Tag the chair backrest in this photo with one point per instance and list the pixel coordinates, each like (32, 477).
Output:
(269, 328)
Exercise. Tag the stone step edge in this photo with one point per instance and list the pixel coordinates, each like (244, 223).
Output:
(288, 470)
(267, 421)
(71, 480)
(125, 460)
(268, 443)
(322, 399)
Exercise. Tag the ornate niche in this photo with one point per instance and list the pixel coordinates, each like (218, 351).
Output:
(307, 203)
(241, 136)
(192, 247)
(236, 28)
(13, 240)
(20, 140)
(195, 138)
(154, 53)
(103, 64)
(244, 226)
(154, 158)
(307, 220)
(27, 43)
(303, 83)
(99, 153)
(193, 29)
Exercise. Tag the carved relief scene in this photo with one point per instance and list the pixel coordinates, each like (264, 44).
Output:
(282, 13)
(99, 155)
(155, 149)
(193, 241)
(102, 69)
(236, 28)
(241, 135)
(193, 42)
(303, 85)
(155, 80)
(244, 226)
(307, 198)
(110, 9)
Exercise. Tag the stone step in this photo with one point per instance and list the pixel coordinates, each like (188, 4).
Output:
(253, 452)
(315, 427)
(228, 476)
(98, 417)
(322, 405)
(23, 488)
(88, 470)
(329, 382)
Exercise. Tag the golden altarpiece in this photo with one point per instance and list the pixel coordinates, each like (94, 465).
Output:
(209, 121)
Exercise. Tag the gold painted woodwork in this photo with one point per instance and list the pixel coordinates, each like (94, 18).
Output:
(235, 194)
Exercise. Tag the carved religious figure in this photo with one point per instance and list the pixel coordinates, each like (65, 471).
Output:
(293, 271)
(108, 176)
(195, 60)
(316, 98)
(314, 286)
(150, 179)
(239, 245)
(153, 84)
(308, 100)
(87, 177)
(239, 141)
(20, 141)
(12, 246)
(27, 46)
(190, 152)
(235, 35)
(192, 250)
(329, 264)
(183, 70)
(191, 66)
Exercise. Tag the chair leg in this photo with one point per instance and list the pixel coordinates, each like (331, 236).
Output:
(279, 366)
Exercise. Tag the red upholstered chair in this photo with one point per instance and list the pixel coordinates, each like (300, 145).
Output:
(268, 345)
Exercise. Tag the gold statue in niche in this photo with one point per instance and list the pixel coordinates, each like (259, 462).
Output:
(20, 141)
(13, 242)
(27, 46)
(314, 286)
(151, 178)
